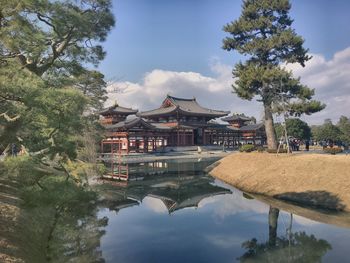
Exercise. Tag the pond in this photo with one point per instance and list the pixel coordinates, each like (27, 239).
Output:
(174, 212)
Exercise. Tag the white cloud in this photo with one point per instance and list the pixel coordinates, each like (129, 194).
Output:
(211, 92)
(154, 204)
(331, 81)
(329, 78)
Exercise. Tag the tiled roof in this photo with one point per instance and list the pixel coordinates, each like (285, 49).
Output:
(159, 111)
(129, 124)
(236, 117)
(117, 109)
(185, 106)
(251, 127)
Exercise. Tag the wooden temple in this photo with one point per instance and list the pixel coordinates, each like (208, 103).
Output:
(178, 122)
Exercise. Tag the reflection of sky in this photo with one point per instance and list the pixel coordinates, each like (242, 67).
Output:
(213, 232)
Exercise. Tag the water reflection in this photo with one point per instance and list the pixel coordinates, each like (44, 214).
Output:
(177, 185)
(173, 212)
(293, 247)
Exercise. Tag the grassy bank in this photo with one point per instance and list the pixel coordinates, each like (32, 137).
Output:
(318, 180)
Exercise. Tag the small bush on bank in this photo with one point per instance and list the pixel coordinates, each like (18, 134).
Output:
(333, 150)
(275, 151)
(260, 149)
(247, 148)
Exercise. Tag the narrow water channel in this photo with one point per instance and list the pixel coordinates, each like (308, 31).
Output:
(174, 212)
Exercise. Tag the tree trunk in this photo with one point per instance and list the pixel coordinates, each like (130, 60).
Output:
(273, 222)
(269, 128)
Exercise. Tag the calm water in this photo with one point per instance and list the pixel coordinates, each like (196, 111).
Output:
(174, 212)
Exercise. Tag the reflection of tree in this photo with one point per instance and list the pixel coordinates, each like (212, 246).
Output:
(273, 221)
(64, 222)
(297, 247)
(78, 239)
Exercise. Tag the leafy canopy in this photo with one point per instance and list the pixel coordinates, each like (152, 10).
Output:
(330, 132)
(264, 33)
(44, 34)
(295, 128)
(45, 85)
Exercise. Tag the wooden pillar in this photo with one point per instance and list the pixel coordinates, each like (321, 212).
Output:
(127, 144)
(144, 144)
(204, 137)
(112, 159)
(192, 137)
(178, 137)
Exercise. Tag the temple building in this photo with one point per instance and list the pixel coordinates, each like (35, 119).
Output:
(178, 122)
(248, 132)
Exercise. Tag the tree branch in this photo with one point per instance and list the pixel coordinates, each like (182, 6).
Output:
(8, 118)
(41, 18)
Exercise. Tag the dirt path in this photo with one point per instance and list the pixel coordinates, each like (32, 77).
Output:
(309, 179)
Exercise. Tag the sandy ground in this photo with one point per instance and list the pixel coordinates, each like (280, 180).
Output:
(318, 180)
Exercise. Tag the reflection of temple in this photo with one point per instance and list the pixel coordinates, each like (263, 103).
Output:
(177, 189)
(177, 122)
(138, 171)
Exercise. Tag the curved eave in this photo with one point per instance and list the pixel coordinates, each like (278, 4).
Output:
(158, 112)
(213, 114)
(122, 126)
(121, 111)
(234, 118)
(173, 110)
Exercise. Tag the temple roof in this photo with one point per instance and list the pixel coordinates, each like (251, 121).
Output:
(172, 105)
(236, 117)
(116, 109)
(251, 127)
(128, 124)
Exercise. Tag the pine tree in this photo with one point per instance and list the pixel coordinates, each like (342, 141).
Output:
(264, 33)
(45, 86)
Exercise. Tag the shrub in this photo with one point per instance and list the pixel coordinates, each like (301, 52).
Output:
(260, 149)
(275, 151)
(333, 150)
(247, 148)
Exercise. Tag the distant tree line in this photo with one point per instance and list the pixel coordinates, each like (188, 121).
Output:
(327, 132)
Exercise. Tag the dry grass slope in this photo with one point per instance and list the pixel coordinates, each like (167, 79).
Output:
(308, 179)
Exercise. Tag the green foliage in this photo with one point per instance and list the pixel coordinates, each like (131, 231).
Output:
(275, 151)
(44, 85)
(326, 132)
(344, 127)
(247, 148)
(45, 95)
(63, 213)
(300, 247)
(295, 128)
(260, 149)
(264, 33)
(46, 34)
(333, 150)
(22, 169)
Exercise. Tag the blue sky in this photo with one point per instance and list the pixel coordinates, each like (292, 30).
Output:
(157, 40)
(184, 35)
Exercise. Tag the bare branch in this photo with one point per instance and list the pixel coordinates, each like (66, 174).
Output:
(8, 118)
(41, 18)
